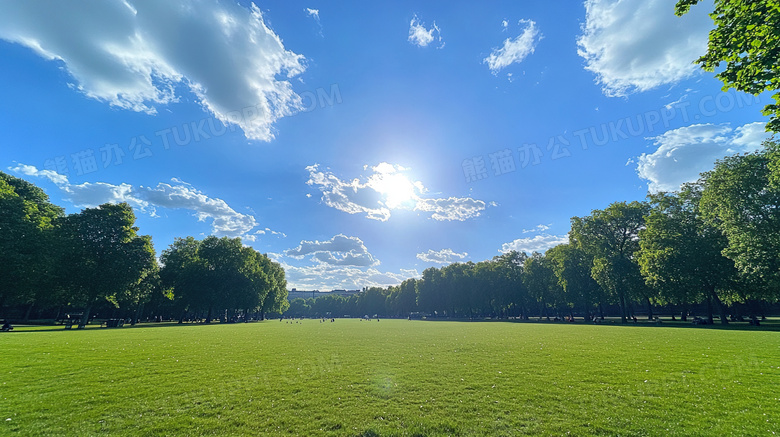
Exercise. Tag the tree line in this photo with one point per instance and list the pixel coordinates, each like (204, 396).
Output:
(714, 244)
(53, 264)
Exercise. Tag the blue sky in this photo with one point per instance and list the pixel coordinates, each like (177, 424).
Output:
(358, 143)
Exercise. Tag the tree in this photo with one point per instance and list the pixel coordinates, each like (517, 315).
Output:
(509, 292)
(184, 274)
(298, 308)
(572, 267)
(430, 291)
(540, 280)
(746, 37)
(26, 233)
(611, 237)
(142, 291)
(403, 298)
(220, 274)
(740, 199)
(681, 254)
(101, 255)
(275, 300)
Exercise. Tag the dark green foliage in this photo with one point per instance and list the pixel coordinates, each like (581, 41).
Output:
(101, 256)
(741, 200)
(681, 253)
(611, 238)
(26, 234)
(219, 274)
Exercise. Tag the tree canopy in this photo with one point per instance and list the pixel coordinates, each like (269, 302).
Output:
(746, 38)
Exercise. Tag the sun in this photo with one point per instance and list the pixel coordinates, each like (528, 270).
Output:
(396, 189)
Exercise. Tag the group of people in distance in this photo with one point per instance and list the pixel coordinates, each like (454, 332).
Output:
(6, 326)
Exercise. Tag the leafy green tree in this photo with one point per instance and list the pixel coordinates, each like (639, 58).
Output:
(681, 254)
(430, 291)
(298, 308)
(219, 274)
(275, 300)
(101, 255)
(509, 292)
(372, 301)
(184, 274)
(141, 292)
(403, 298)
(746, 38)
(26, 234)
(741, 200)
(539, 278)
(572, 267)
(611, 237)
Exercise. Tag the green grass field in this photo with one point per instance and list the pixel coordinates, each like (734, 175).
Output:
(393, 377)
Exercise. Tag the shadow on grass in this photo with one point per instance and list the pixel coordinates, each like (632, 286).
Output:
(771, 324)
(94, 327)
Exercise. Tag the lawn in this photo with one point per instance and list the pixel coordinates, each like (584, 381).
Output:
(390, 377)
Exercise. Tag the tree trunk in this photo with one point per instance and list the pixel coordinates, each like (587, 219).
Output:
(684, 314)
(137, 315)
(587, 310)
(649, 309)
(601, 311)
(85, 317)
(183, 315)
(208, 316)
(721, 307)
(29, 309)
(710, 318)
(622, 302)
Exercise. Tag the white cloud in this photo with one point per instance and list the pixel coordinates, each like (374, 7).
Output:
(340, 250)
(444, 256)
(341, 262)
(271, 232)
(388, 188)
(637, 45)
(537, 228)
(514, 50)
(313, 13)
(31, 170)
(683, 153)
(225, 221)
(451, 208)
(539, 243)
(329, 277)
(135, 54)
(420, 36)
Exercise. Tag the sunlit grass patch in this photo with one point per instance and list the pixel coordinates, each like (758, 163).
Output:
(394, 377)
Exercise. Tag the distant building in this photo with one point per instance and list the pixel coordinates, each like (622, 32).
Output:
(301, 294)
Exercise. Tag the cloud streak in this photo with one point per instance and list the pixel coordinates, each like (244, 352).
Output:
(514, 50)
(225, 221)
(539, 243)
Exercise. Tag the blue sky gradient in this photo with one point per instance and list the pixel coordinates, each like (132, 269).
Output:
(359, 143)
